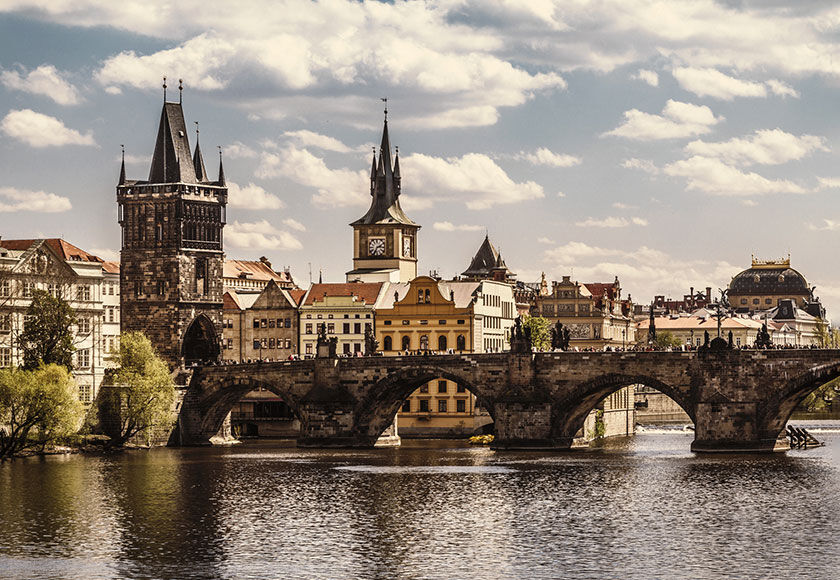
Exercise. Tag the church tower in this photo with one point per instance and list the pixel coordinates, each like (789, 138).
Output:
(172, 253)
(384, 239)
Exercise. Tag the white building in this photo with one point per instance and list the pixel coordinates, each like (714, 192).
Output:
(89, 285)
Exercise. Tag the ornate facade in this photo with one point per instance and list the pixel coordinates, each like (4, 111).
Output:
(172, 247)
(767, 283)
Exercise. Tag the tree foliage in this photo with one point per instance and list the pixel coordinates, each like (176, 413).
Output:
(666, 339)
(47, 337)
(36, 408)
(143, 390)
(540, 329)
(823, 398)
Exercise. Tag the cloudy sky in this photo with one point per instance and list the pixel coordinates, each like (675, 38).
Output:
(660, 141)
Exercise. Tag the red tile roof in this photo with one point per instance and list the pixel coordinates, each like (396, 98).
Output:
(65, 250)
(367, 291)
(297, 295)
(111, 267)
(598, 289)
(253, 270)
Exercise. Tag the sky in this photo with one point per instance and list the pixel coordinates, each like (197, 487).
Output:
(663, 142)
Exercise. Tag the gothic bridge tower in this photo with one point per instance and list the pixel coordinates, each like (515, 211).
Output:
(384, 239)
(172, 253)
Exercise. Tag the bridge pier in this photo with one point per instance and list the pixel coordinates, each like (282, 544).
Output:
(525, 425)
(732, 427)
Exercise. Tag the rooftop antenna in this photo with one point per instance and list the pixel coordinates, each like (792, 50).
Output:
(164, 89)
(180, 91)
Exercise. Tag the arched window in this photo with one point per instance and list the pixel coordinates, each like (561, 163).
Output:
(441, 343)
(406, 342)
(420, 296)
(462, 342)
(428, 296)
(424, 342)
(386, 343)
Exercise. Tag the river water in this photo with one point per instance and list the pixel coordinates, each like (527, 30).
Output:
(642, 507)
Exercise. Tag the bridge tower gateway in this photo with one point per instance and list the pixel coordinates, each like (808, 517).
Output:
(172, 252)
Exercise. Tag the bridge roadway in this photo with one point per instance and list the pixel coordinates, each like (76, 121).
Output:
(739, 400)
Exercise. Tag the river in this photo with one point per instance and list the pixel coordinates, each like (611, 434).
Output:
(641, 507)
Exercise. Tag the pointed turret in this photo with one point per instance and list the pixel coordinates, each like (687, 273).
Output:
(221, 170)
(486, 261)
(122, 168)
(172, 162)
(397, 177)
(198, 159)
(385, 188)
(373, 172)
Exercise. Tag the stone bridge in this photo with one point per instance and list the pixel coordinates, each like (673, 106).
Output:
(739, 400)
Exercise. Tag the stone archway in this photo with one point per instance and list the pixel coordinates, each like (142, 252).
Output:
(201, 341)
(376, 411)
(568, 415)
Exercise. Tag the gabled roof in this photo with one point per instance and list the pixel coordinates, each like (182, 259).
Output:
(230, 301)
(64, 250)
(385, 189)
(599, 289)
(111, 267)
(172, 162)
(297, 295)
(367, 291)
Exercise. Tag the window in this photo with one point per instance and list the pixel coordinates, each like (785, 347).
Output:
(461, 322)
(427, 296)
(263, 323)
(84, 325)
(460, 389)
(309, 328)
(112, 311)
(270, 343)
(331, 328)
(256, 344)
(357, 328)
(386, 343)
(461, 406)
(83, 358)
(357, 347)
(424, 406)
(424, 342)
(83, 292)
(346, 348)
(441, 405)
(110, 289)
(387, 323)
(441, 386)
(441, 322)
(309, 348)
(5, 288)
(406, 343)
(461, 342)
(271, 323)
(5, 322)
(27, 289)
(346, 328)
(768, 301)
(755, 300)
(406, 406)
(288, 322)
(424, 388)
(442, 343)
(743, 300)
(256, 323)
(84, 393)
(5, 357)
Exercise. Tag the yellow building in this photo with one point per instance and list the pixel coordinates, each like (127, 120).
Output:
(434, 317)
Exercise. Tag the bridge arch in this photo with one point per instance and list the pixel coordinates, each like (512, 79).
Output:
(776, 410)
(201, 341)
(217, 406)
(376, 411)
(569, 413)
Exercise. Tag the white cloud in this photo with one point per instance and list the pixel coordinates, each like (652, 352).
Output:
(825, 225)
(765, 147)
(474, 179)
(450, 227)
(782, 89)
(829, 182)
(749, 203)
(620, 205)
(238, 150)
(545, 240)
(294, 224)
(260, 235)
(648, 76)
(252, 196)
(335, 187)
(38, 130)
(641, 164)
(13, 199)
(304, 138)
(544, 156)
(713, 176)
(44, 80)
(612, 222)
(676, 121)
(709, 82)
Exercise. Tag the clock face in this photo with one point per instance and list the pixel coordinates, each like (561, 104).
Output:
(376, 246)
(407, 247)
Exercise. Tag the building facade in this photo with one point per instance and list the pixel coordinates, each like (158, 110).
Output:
(88, 284)
(172, 256)
(345, 311)
(767, 283)
(254, 276)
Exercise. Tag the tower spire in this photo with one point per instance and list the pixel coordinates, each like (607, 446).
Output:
(164, 89)
(122, 166)
(198, 159)
(373, 172)
(221, 168)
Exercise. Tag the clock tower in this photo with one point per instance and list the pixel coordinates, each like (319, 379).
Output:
(384, 239)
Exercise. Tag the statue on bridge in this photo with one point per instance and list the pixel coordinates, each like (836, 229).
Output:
(326, 346)
(520, 338)
(762, 339)
(371, 344)
(560, 336)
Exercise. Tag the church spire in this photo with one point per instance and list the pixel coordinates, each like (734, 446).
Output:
(373, 172)
(397, 178)
(198, 159)
(221, 168)
(122, 167)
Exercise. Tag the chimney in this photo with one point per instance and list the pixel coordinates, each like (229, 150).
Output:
(265, 261)
(708, 293)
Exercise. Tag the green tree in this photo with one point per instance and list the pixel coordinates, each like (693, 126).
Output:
(666, 339)
(142, 393)
(823, 398)
(824, 334)
(47, 337)
(540, 331)
(36, 408)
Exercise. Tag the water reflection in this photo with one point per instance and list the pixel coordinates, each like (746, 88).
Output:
(638, 508)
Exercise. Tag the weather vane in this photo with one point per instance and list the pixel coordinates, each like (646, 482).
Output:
(385, 100)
